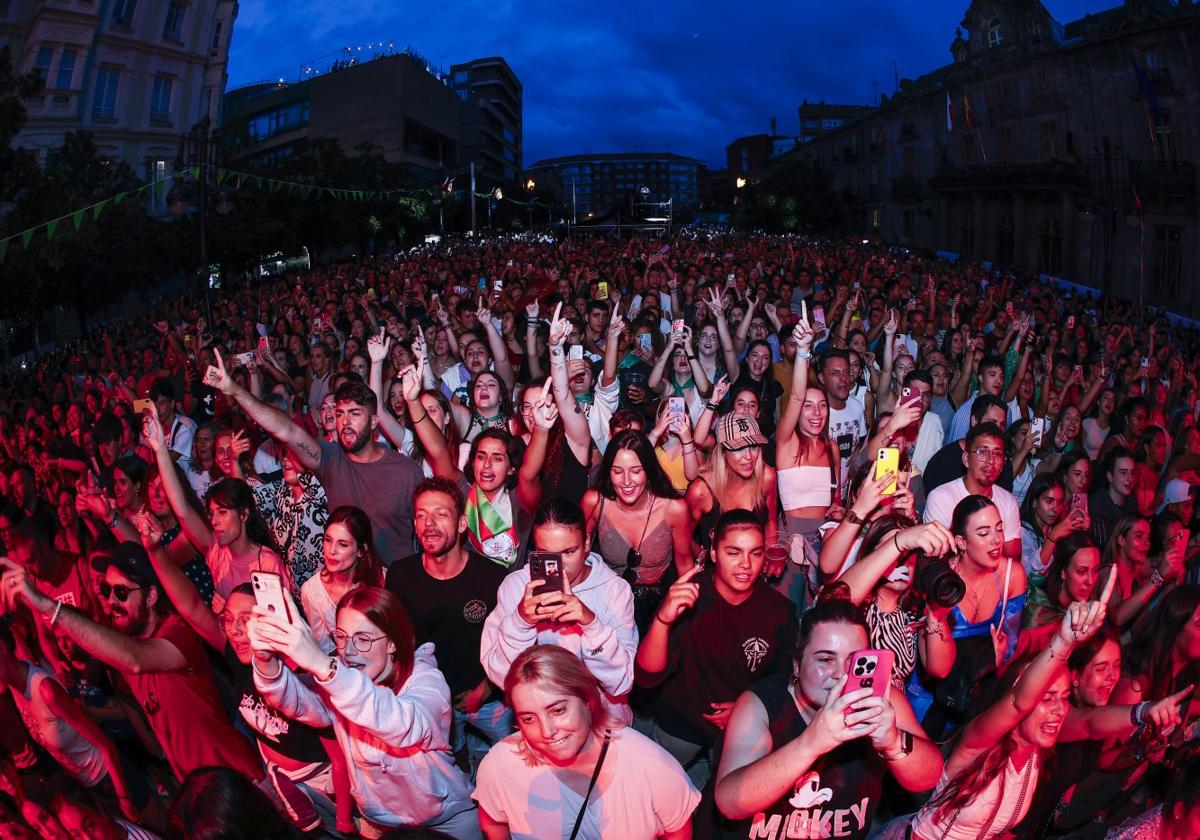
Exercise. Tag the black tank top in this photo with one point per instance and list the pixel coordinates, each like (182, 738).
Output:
(836, 797)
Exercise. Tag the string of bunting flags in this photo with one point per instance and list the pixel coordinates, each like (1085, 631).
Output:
(241, 179)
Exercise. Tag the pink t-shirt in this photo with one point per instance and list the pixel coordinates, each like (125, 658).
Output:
(229, 571)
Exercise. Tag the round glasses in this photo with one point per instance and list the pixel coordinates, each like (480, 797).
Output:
(361, 642)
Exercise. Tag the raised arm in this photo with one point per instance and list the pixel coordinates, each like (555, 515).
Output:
(575, 424)
(931, 539)
(531, 348)
(441, 459)
(716, 302)
(496, 344)
(802, 335)
(743, 330)
(377, 348)
(195, 527)
(275, 422)
(179, 589)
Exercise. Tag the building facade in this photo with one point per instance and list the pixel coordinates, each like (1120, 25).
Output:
(597, 183)
(819, 118)
(134, 73)
(396, 102)
(490, 117)
(1061, 149)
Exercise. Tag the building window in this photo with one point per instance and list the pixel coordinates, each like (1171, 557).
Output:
(123, 12)
(1156, 65)
(1050, 247)
(1004, 144)
(1048, 134)
(66, 70)
(1168, 260)
(995, 33)
(207, 107)
(104, 103)
(215, 46)
(1164, 138)
(41, 64)
(875, 219)
(160, 99)
(745, 160)
(830, 125)
(174, 23)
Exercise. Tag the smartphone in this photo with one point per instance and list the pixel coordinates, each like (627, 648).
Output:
(1078, 502)
(1008, 308)
(731, 281)
(818, 315)
(1145, 361)
(575, 353)
(187, 339)
(675, 406)
(909, 395)
(1077, 371)
(1037, 428)
(264, 343)
(268, 594)
(1070, 322)
(497, 285)
(243, 359)
(482, 283)
(370, 294)
(888, 463)
(140, 407)
(646, 341)
(870, 669)
(677, 328)
(546, 566)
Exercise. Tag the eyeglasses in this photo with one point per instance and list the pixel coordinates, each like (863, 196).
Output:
(361, 642)
(121, 592)
(983, 453)
(234, 624)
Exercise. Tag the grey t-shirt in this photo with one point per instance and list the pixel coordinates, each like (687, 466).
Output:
(383, 489)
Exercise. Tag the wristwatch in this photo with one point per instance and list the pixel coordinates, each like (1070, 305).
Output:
(853, 518)
(906, 748)
(328, 675)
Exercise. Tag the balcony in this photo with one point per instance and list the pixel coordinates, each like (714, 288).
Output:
(1054, 176)
(1163, 179)
(906, 188)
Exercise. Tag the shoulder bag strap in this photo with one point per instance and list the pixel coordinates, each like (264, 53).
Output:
(591, 784)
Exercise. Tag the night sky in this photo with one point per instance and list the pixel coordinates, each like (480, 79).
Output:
(626, 75)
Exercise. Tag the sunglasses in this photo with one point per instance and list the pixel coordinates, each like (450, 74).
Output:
(632, 560)
(121, 592)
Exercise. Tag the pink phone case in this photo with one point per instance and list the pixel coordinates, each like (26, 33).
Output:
(870, 669)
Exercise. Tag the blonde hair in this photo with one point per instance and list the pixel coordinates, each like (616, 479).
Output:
(555, 667)
(718, 476)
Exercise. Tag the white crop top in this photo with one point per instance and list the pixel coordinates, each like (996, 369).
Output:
(805, 486)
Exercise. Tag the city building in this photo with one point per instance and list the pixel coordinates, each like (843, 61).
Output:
(1062, 149)
(395, 101)
(752, 153)
(134, 74)
(818, 118)
(597, 183)
(490, 117)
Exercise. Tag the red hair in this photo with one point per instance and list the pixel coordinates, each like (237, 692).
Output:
(384, 610)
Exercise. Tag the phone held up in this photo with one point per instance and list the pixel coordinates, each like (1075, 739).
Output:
(268, 594)
(870, 669)
(546, 566)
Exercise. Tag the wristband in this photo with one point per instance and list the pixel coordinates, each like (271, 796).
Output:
(417, 420)
(804, 354)
(711, 406)
(1137, 714)
(896, 541)
(57, 609)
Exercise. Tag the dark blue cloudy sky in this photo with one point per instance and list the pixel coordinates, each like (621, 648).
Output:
(629, 75)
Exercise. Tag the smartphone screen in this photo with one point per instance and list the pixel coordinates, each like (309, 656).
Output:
(546, 566)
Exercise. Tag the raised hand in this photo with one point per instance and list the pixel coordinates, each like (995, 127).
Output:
(680, 598)
(932, 539)
(218, 377)
(559, 327)
(720, 389)
(570, 609)
(1083, 619)
(419, 347)
(378, 346)
(410, 383)
(531, 311)
(152, 431)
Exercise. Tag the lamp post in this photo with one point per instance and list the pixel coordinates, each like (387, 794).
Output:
(529, 187)
(197, 150)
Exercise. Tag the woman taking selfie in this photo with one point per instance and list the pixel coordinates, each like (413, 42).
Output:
(389, 707)
(571, 772)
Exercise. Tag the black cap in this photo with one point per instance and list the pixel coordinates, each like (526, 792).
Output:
(133, 562)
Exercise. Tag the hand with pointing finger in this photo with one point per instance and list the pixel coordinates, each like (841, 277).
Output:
(680, 598)
(378, 346)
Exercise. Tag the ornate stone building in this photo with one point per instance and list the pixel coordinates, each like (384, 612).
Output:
(1063, 149)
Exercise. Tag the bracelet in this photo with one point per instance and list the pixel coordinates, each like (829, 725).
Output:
(1137, 715)
(896, 541)
(1053, 655)
(417, 420)
(1157, 580)
(711, 406)
(691, 358)
(57, 609)
(804, 354)
(688, 445)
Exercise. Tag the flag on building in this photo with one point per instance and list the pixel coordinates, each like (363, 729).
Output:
(949, 113)
(448, 185)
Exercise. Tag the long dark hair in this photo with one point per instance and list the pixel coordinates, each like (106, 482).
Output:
(562, 512)
(387, 612)
(450, 433)
(637, 443)
(1042, 484)
(1150, 654)
(369, 569)
(235, 494)
(964, 510)
(1056, 572)
(513, 445)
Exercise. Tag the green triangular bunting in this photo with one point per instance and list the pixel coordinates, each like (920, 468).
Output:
(77, 218)
(26, 237)
(98, 209)
(51, 227)
(222, 174)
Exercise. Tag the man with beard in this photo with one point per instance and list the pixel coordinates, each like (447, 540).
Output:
(847, 417)
(984, 459)
(357, 470)
(159, 656)
(448, 591)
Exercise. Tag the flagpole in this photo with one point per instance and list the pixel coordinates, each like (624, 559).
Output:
(472, 198)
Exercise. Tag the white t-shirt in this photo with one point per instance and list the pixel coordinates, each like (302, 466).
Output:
(939, 506)
(847, 428)
(641, 794)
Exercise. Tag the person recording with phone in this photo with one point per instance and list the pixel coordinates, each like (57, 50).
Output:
(587, 608)
(386, 700)
(804, 750)
(1045, 521)
(719, 629)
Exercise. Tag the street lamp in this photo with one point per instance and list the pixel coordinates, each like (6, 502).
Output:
(198, 150)
(741, 182)
(529, 186)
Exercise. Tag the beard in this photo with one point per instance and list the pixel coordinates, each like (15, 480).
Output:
(130, 623)
(359, 442)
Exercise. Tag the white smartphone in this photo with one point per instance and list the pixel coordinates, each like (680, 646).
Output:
(575, 353)
(268, 594)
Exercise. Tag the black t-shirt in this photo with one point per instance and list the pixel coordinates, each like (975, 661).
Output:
(838, 795)
(716, 651)
(449, 613)
(204, 400)
(946, 465)
(296, 740)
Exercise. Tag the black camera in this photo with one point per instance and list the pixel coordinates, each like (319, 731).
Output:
(937, 582)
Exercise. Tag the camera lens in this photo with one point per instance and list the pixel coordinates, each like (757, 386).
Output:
(938, 582)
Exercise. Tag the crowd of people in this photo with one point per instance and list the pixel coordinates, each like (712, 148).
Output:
(727, 536)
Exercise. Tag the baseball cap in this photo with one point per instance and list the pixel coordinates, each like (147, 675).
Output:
(1176, 491)
(133, 562)
(737, 431)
